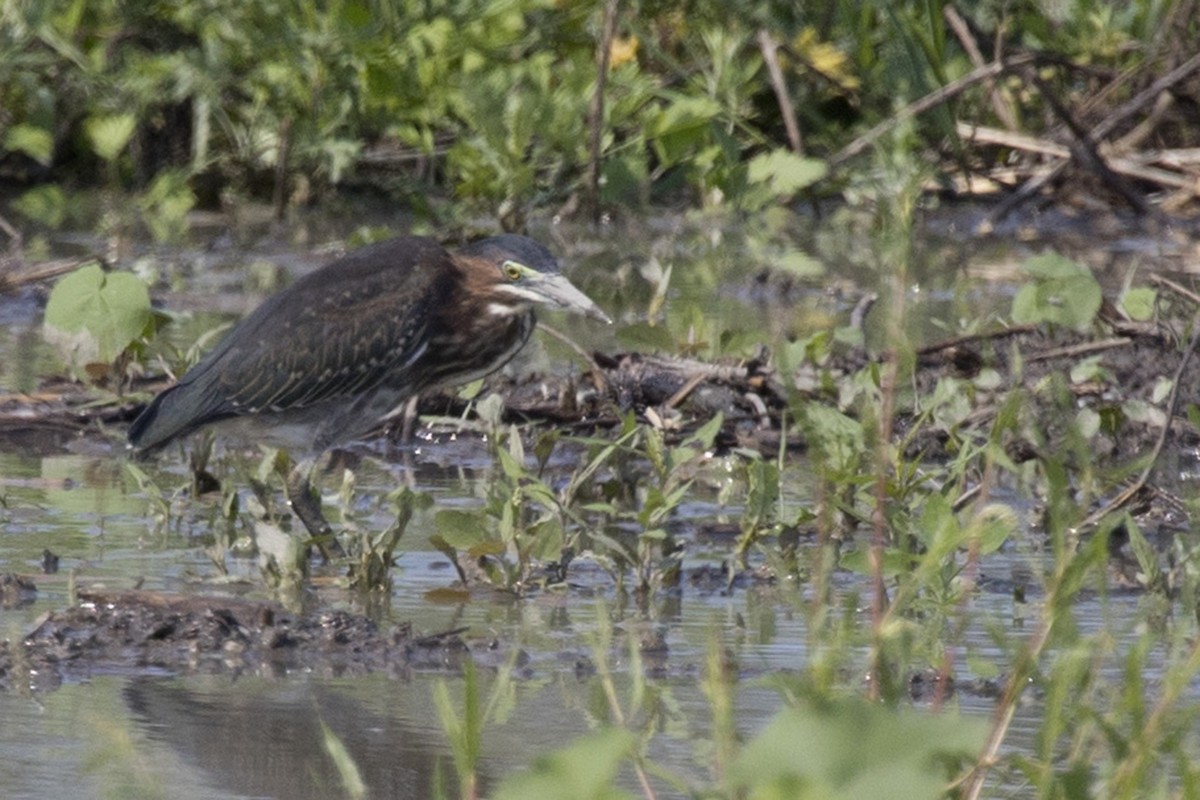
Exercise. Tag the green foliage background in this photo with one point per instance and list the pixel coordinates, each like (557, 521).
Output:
(488, 100)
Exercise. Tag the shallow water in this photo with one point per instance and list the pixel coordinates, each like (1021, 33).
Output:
(142, 732)
(259, 735)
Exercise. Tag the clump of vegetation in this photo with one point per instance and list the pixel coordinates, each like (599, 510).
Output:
(512, 106)
(614, 507)
(919, 530)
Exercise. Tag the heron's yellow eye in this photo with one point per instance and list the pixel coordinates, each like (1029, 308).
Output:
(512, 270)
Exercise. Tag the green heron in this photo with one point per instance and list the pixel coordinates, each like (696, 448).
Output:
(345, 347)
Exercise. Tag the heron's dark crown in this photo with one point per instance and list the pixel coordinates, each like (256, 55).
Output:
(512, 247)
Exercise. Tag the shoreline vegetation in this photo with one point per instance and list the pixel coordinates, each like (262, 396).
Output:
(578, 108)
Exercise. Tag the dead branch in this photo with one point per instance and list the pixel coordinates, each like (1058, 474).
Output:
(1002, 108)
(1101, 131)
(608, 31)
(1134, 166)
(1085, 151)
(931, 100)
(13, 279)
(770, 54)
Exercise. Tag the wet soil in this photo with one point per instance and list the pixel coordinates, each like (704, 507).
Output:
(141, 631)
(154, 633)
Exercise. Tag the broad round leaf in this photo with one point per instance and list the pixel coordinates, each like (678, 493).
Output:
(93, 315)
(1063, 292)
(460, 529)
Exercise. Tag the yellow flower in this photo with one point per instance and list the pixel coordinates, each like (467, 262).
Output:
(622, 51)
(825, 58)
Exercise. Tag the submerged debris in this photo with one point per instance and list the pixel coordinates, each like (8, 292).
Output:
(16, 591)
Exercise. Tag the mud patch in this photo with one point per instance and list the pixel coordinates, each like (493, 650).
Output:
(140, 632)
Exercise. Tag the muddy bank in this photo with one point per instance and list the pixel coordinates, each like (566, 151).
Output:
(145, 632)
(131, 632)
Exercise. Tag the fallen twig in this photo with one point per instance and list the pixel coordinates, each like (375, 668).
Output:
(17, 277)
(1179, 289)
(931, 100)
(1132, 166)
(1085, 151)
(674, 400)
(1099, 132)
(1081, 349)
(1172, 405)
(971, 338)
(15, 245)
(957, 24)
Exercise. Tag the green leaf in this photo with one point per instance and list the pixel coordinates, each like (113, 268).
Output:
(165, 205)
(1050, 266)
(1063, 292)
(1087, 422)
(93, 315)
(546, 540)
(838, 436)
(109, 134)
(343, 762)
(625, 178)
(681, 128)
(460, 529)
(1151, 572)
(35, 142)
(853, 749)
(785, 172)
(584, 770)
(513, 469)
(44, 204)
(684, 114)
(1193, 415)
(1090, 369)
(280, 551)
(894, 562)
(544, 446)
(993, 526)
(490, 547)
(800, 264)
(706, 434)
(1162, 389)
(538, 492)
(1139, 302)
(981, 667)
(1091, 555)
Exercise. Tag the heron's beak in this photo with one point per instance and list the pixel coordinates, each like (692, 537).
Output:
(558, 292)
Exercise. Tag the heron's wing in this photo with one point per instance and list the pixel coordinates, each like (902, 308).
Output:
(337, 332)
(334, 333)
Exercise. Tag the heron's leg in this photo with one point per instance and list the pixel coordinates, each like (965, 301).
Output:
(305, 501)
(406, 435)
(409, 419)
